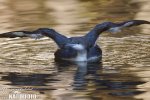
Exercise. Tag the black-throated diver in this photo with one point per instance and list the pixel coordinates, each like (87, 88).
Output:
(82, 48)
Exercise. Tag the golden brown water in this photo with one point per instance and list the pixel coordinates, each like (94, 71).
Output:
(28, 67)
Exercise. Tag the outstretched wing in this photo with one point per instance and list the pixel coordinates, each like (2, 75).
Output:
(116, 27)
(59, 39)
(133, 23)
(15, 34)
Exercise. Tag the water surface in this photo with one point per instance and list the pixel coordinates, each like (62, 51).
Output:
(28, 66)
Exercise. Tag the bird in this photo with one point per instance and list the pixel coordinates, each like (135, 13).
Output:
(76, 49)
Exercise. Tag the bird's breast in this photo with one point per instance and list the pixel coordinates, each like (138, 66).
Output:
(81, 56)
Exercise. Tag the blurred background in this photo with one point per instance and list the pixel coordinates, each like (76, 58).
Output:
(125, 70)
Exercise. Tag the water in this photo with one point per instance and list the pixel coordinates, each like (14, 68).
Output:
(28, 66)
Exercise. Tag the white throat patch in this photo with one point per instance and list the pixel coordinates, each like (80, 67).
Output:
(78, 47)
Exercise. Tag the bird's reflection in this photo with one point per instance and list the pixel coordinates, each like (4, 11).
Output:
(83, 76)
(28, 79)
(83, 71)
(87, 73)
(79, 78)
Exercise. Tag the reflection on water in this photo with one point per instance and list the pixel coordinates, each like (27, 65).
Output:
(78, 81)
(28, 65)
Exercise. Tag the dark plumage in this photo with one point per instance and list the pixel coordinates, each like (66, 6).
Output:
(15, 34)
(82, 48)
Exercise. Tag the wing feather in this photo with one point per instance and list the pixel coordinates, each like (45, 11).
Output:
(117, 27)
(132, 23)
(15, 34)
